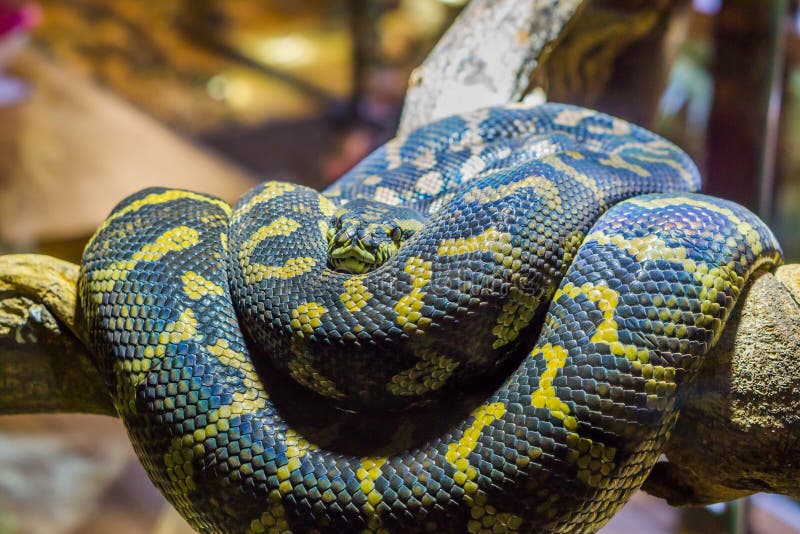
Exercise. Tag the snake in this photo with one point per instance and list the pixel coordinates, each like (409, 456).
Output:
(559, 258)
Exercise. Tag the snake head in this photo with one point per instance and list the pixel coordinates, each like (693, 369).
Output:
(364, 234)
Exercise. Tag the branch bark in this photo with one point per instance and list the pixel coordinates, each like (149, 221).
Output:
(485, 58)
(44, 365)
(739, 428)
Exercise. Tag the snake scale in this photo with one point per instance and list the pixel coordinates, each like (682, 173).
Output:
(438, 260)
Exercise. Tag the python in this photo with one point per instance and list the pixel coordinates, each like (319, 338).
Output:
(603, 280)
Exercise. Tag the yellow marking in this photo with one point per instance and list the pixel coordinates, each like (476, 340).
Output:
(296, 448)
(572, 117)
(356, 293)
(161, 198)
(744, 228)
(458, 451)
(393, 149)
(430, 183)
(429, 374)
(280, 226)
(517, 313)
(618, 162)
(571, 245)
(173, 240)
(543, 187)
(410, 224)
(306, 317)
(489, 240)
(254, 396)
(486, 519)
(471, 131)
(302, 208)
(440, 202)
(326, 207)
(132, 372)
(178, 463)
(292, 267)
(545, 395)
(372, 179)
(296, 445)
(606, 300)
(426, 160)
(595, 460)
(184, 329)
(223, 239)
(367, 474)
(183, 450)
(650, 247)
(387, 196)
(618, 127)
(472, 167)
(301, 369)
(255, 272)
(273, 520)
(270, 191)
(714, 279)
(554, 161)
(408, 306)
(196, 286)
(324, 228)
(665, 159)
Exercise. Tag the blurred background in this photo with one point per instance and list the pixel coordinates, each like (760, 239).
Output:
(99, 99)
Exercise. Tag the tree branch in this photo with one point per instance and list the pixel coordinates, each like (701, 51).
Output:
(485, 58)
(739, 428)
(44, 365)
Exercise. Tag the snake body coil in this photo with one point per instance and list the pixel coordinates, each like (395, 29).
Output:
(508, 205)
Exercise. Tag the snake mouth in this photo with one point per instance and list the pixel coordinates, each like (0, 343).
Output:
(353, 259)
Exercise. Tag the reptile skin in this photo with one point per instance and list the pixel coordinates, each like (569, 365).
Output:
(551, 220)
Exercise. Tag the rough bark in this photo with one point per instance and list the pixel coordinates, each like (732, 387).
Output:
(485, 58)
(44, 365)
(739, 428)
(615, 57)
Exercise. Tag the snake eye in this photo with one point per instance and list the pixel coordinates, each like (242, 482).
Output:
(396, 234)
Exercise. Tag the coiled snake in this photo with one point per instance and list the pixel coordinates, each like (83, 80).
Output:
(457, 238)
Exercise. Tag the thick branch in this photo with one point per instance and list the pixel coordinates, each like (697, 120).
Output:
(739, 428)
(610, 54)
(44, 366)
(486, 57)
